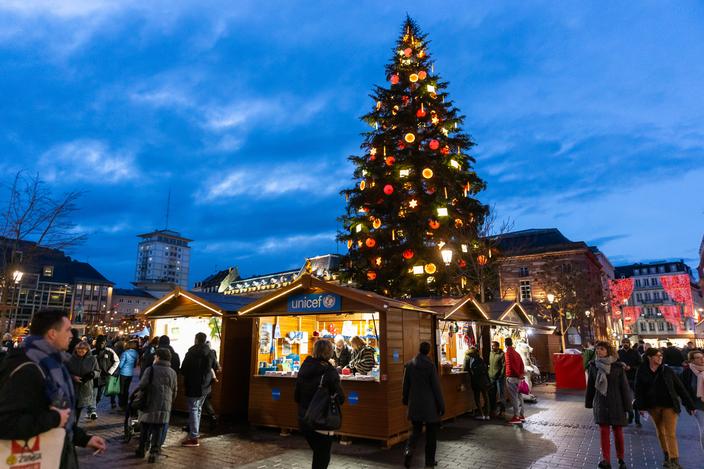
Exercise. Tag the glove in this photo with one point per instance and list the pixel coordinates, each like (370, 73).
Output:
(87, 377)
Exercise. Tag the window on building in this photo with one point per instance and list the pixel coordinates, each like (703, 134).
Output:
(656, 295)
(639, 296)
(661, 269)
(673, 268)
(636, 272)
(48, 271)
(652, 270)
(642, 327)
(651, 327)
(654, 281)
(647, 296)
(638, 282)
(661, 326)
(669, 327)
(664, 296)
(645, 282)
(526, 294)
(566, 268)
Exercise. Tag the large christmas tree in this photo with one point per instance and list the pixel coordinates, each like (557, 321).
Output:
(412, 217)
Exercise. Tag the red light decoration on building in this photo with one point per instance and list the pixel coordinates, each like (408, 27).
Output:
(621, 290)
(679, 289)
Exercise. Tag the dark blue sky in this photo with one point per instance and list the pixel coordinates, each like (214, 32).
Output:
(589, 118)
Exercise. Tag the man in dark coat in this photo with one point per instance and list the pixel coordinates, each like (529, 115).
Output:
(197, 371)
(672, 357)
(423, 396)
(165, 342)
(30, 375)
(632, 361)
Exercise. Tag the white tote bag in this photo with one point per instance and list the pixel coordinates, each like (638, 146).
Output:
(40, 452)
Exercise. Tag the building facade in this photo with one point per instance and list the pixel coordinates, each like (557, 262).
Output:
(163, 260)
(48, 279)
(664, 302)
(540, 265)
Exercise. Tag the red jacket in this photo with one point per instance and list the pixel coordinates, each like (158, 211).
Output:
(514, 364)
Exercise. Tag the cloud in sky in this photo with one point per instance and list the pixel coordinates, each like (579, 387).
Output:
(88, 162)
(587, 117)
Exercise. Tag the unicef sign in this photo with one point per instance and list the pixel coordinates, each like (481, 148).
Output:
(314, 302)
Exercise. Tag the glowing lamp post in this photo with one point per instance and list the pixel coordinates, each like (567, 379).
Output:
(551, 300)
(446, 256)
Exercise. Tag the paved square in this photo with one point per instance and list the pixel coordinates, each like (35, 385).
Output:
(559, 433)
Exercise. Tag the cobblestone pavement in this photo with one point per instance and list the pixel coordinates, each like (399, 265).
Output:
(559, 433)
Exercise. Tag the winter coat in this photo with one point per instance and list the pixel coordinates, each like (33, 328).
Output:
(86, 368)
(421, 390)
(197, 371)
(309, 379)
(175, 359)
(108, 364)
(497, 365)
(632, 358)
(612, 408)
(362, 361)
(161, 393)
(646, 388)
(588, 355)
(514, 364)
(128, 360)
(689, 379)
(24, 407)
(478, 373)
(342, 357)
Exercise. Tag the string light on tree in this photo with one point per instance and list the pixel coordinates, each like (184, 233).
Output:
(420, 191)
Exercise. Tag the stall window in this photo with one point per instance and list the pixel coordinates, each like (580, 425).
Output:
(455, 339)
(284, 342)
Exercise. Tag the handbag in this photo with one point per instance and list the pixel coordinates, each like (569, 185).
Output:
(523, 387)
(113, 386)
(41, 452)
(323, 413)
(140, 398)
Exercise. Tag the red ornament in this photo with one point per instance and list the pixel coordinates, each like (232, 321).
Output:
(372, 157)
(370, 242)
(407, 51)
(390, 160)
(400, 145)
(408, 254)
(422, 74)
(462, 263)
(388, 189)
(405, 99)
(371, 275)
(394, 79)
(421, 113)
(434, 144)
(445, 150)
(434, 224)
(482, 259)
(430, 190)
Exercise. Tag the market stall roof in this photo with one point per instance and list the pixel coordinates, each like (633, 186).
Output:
(466, 308)
(181, 302)
(508, 312)
(307, 283)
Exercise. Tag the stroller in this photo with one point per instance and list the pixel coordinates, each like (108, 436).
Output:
(131, 424)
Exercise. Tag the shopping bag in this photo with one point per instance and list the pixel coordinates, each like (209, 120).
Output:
(523, 387)
(113, 386)
(323, 413)
(40, 452)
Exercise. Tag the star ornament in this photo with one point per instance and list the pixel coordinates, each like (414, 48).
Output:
(413, 203)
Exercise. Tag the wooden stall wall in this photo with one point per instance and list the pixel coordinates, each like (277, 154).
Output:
(230, 397)
(544, 345)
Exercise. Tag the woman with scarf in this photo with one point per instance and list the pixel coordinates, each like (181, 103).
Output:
(609, 395)
(659, 391)
(84, 369)
(693, 380)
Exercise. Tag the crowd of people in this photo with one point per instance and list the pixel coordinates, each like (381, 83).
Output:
(624, 386)
(49, 379)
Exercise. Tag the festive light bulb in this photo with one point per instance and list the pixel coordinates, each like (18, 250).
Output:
(446, 256)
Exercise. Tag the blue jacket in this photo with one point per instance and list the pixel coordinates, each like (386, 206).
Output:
(128, 360)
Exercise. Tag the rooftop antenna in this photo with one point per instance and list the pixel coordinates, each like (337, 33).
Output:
(168, 209)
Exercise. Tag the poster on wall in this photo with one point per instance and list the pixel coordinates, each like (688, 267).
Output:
(266, 339)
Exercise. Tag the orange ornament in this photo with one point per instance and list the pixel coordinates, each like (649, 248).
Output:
(434, 224)
(482, 259)
(370, 242)
(376, 223)
(390, 160)
(371, 275)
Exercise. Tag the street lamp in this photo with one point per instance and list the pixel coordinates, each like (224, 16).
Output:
(588, 314)
(551, 300)
(446, 256)
(17, 276)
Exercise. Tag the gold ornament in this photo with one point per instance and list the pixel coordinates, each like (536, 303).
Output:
(430, 268)
(427, 173)
(409, 138)
(413, 77)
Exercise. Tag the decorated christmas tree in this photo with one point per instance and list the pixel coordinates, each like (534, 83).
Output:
(411, 219)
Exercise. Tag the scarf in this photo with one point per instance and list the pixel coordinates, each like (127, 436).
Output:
(58, 386)
(603, 366)
(699, 373)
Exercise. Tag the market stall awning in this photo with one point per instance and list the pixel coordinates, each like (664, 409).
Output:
(180, 303)
(308, 288)
(507, 312)
(466, 308)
